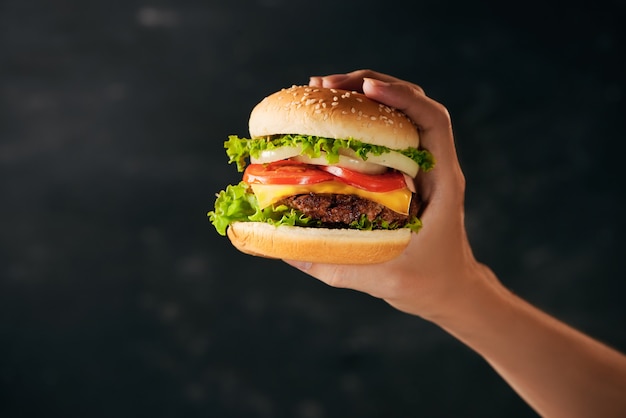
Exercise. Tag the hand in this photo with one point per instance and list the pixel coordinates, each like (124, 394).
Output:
(438, 265)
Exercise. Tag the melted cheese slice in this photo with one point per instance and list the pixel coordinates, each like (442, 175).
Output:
(396, 200)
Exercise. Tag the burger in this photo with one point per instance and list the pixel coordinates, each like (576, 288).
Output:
(328, 176)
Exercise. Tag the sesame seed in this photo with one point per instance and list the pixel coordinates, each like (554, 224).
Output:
(358, 99)
(334, 103)
(335, 99)
(353, 110)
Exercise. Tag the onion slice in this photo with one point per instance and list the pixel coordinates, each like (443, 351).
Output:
(354, 164)
(391, 159)
(276, 154)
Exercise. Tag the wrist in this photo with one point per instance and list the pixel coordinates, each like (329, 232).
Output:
(478, 294)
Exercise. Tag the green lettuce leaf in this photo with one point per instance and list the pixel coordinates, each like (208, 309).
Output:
(239, 149)
(238, 204)
(232, 205)
(364, 224)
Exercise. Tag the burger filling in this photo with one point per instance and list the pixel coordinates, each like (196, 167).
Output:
(308, 181)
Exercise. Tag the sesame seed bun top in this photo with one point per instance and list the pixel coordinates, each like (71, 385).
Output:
(332, 113)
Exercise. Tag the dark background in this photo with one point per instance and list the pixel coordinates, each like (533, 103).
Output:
(117, 298)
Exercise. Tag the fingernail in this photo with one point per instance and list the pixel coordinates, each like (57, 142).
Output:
(315, 81)
(332, 80)
(375, 82)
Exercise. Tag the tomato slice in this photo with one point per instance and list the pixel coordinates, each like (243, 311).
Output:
(385, 182)
(291, 172)
(285, 172)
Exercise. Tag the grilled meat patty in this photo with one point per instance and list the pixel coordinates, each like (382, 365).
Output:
(340, 210)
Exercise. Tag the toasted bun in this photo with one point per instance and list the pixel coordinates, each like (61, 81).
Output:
(320, 245)
(332, 113)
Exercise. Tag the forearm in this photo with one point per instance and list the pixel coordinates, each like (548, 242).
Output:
(559, 371)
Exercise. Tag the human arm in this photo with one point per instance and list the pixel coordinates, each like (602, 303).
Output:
(556, 369)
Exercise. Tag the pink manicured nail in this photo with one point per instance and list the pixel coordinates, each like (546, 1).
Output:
(376, 83)
(316, 81)
(333, 80)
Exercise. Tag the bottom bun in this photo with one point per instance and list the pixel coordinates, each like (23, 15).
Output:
(320, 245)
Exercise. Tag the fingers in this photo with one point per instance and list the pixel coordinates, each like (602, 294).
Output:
(364, 278)
(354, 80)
(349, 81)
(333, 275)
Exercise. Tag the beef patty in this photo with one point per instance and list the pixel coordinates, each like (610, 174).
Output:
(340, 210)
